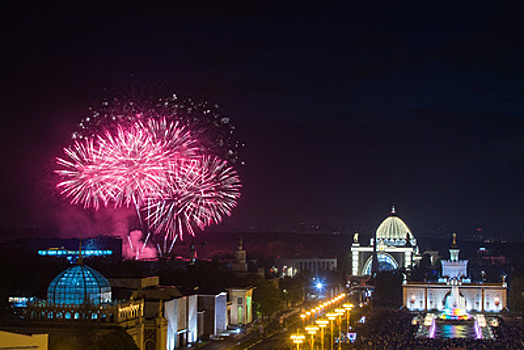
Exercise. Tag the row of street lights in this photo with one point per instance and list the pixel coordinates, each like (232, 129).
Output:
(322, 322)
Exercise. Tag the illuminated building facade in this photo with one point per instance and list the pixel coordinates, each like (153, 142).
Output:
(396, 248)
(79, 311)
(101, 247)
(171, 319)
(240, 307)
(293, 267)
(455, 285)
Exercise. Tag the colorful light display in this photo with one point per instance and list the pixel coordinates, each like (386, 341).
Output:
(156, 166)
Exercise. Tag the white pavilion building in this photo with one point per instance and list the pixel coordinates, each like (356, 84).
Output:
(454, 287)
(396, 248)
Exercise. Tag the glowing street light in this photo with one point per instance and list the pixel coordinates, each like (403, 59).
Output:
(312, 330)
(298, 338)
(331, 317)
(348, 308)
(322, 324)
(339, 313)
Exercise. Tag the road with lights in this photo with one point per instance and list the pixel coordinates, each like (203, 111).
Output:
(327, 320)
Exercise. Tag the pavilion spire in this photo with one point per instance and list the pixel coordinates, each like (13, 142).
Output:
(80, 252)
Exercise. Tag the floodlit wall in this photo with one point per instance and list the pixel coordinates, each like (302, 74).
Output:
(176, 314)
(220, 312)
(192, 318)
(241, 305)
(10, 340)
(431, 296)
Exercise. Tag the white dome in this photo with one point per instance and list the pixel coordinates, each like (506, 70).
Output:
(394, 231)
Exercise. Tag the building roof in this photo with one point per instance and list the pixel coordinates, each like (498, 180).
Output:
(393, 228)
(79, 284)
(157, 293)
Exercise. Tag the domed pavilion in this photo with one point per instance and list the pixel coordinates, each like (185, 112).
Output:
(81, 295)
(79, 284)
(394, 231)
(396, 248)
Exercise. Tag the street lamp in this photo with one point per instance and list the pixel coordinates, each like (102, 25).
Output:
(322, 324)
(312, 330)
(298, 339)
(331, 317)
(348, 308)
(314, 312)
(339, 313)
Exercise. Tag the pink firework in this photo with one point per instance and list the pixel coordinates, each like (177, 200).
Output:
(156, 166)
(135, 163)
(83, 175)
(201, 192)
(174, 139)
(125, 166)
(138, 159)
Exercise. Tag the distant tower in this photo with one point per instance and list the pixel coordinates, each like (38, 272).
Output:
(240, 263)
(454, 249)
(454, 268)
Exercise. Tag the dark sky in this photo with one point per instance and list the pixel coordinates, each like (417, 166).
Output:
(345, 109)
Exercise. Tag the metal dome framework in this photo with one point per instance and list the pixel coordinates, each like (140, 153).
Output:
(77, 285)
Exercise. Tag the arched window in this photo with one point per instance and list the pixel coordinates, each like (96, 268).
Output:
(150, 345)
(385, 263)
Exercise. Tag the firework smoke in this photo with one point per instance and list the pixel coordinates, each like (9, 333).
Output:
(154, 164)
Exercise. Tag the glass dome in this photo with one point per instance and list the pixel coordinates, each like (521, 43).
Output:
(79, 284)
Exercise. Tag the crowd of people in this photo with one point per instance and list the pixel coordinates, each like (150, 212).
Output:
(383, 329)
(510, 333)
(393, 330)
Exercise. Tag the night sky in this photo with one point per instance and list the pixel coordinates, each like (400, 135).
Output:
(345, 109)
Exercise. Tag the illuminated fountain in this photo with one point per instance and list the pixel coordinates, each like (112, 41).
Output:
(455, 306)
(450, 319)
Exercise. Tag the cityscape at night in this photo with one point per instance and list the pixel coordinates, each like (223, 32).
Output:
(262, 175)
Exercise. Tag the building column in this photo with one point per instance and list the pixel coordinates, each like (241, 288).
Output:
(426, 299)
(355, 263)
(482, 294)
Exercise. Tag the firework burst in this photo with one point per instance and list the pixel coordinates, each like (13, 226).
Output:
(147, 156)
(138, 159)
(83, 175)
(202, 191)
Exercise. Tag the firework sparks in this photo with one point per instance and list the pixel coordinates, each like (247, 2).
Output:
(215, 132)
(83, 175)
(136, 164)
(146, 156)
(202, 192)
